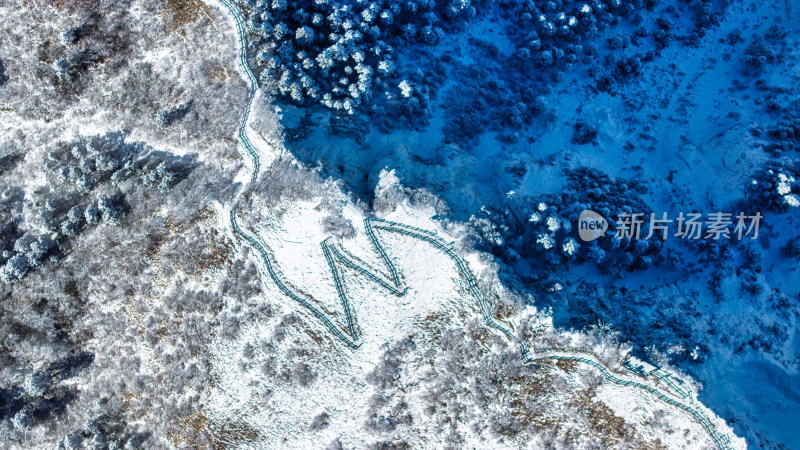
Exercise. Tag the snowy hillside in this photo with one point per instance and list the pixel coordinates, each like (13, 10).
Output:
(333, 224)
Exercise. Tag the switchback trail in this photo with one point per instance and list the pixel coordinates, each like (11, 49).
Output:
(393, 283)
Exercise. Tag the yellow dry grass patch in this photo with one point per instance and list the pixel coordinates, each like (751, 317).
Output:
(179, 13)
(227, 434)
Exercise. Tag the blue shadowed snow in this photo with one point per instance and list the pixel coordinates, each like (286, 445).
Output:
(774, 392)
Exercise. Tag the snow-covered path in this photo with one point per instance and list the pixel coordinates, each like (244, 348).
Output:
(244, 130)
(675, 398)
(396, 286)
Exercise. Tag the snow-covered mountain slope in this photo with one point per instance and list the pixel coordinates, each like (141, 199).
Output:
(669, 107)
(185, 256)
(284, 373)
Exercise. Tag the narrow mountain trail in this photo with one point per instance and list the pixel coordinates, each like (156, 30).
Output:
(683, 400)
